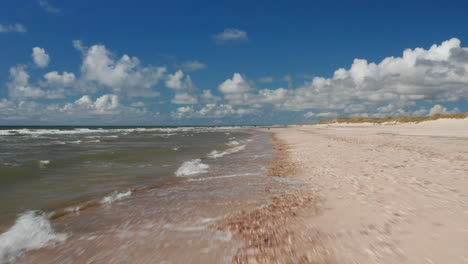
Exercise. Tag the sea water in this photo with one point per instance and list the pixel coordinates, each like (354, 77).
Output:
(154, 191)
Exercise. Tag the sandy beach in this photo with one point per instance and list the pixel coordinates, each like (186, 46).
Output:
(392, 193)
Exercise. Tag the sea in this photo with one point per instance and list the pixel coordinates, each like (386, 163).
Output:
(129, 194)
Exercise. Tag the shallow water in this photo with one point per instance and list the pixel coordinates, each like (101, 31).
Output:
(48, 168)
(166, 223)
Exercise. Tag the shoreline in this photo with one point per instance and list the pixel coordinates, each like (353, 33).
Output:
(271, 234)
(386, 193)
(169, 218)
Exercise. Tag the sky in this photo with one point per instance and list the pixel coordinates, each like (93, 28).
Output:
(240, 62)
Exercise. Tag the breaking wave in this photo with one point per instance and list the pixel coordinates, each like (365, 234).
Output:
(32, 230)
(191, 167)
(57, 131)
(233, 143)
(115, 196)
(216, 154)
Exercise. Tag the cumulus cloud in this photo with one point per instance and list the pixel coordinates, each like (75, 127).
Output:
(184, 98)
(124, 75)
(19, 86)
(211, 111)
(318, 115)
(179, 81)
(189, 66)
(237, 84)
(230, 35)
(208, 97)
(106, 109)
(236, 90)
(40, 57)
(438, 109)
(105, 104)
(438, 74)
(64, 79)
(182, 85)
(12, 28)
(49, 7)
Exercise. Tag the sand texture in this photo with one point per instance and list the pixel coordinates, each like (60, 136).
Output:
(395, 193)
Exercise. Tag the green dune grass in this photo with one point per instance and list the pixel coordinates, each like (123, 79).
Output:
(399, 119)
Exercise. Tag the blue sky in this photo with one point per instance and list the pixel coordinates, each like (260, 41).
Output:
(218, 62)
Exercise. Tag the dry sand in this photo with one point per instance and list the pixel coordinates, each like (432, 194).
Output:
(395, 193)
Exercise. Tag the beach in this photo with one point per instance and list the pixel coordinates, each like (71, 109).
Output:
(328, 193)
(384, 193)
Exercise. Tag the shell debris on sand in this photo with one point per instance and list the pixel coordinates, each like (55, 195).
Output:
(271, 233)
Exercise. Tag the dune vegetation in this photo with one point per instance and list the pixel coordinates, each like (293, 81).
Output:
(399, 119)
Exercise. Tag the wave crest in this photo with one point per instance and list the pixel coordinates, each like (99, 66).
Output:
(191, 167)
(32, 230)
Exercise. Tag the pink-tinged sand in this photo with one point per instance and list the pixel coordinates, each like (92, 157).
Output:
(393, 193)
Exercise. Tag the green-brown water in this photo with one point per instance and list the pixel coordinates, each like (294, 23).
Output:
(45, 168)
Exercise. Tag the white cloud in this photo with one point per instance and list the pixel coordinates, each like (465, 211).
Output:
(438, 74)
(138, 104)
(12, 28)
(106, 104)
(78, 44)
(124, 75)
(211, 111)
(179, 81)
(236, 90)
(237, 84)
(184, 98)
(182, 85)
(323, 114)
(19, 86)
(438, 109)
(40, 57)
(208, 97)
(193, 66)
(48, 7)
(231, 34)
(55, 78)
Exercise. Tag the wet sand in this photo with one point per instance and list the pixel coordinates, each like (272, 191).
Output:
(382, 193)
(176, 223)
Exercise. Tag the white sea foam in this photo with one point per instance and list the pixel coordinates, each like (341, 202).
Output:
(191, 167)
(223, 177)
(216, 154)
(43, 163)
(32, 230)
(233, 143)
(115, 196)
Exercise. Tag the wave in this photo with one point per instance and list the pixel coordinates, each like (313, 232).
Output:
(43, 163)
(216, 154)
(191, 167)
(57, 131)
(32, 230)
(233, 143)
(115, 196)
